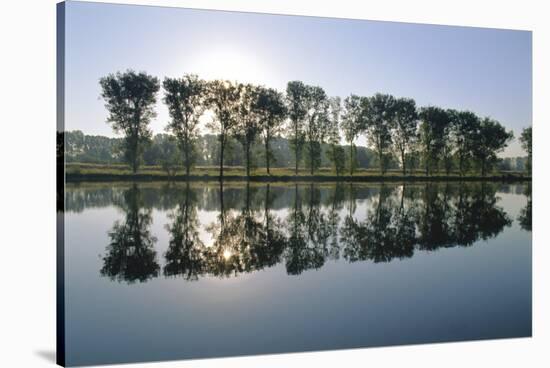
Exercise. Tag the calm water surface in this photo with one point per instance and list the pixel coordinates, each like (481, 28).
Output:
(159, 271)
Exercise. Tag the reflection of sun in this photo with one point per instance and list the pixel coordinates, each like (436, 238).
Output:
(227, 254)
(228, 62)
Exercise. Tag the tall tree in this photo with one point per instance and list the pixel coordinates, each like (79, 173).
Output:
(464, 125)
(352, 125)
(223, 97)
(405, 119)
(185, 101)
(490, 139)
(316, 125)
(296, 101)
(336, 153)
(433, 129)
(130, 98)
(527, 144)
(271, 107)
(247, 128)
(379, 116)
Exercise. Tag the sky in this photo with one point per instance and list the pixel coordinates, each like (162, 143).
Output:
(487, 71)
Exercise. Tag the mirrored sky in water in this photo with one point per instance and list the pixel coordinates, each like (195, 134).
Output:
(487, 71)
(160, 271)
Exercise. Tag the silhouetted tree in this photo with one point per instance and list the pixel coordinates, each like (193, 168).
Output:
(130, 98)
(185, 101)
(490, 139)
(223, 98)
(464, 125)
(316, 125)
(433, 133)
(296, 101)
(336, 153)
(527, 145)
(379, 113)
(248, 121)
(272, 110)
(404, 129)
(352, 125)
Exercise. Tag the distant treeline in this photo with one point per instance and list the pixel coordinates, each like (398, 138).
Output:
(98, 149)
(104, 150)
(398, 133)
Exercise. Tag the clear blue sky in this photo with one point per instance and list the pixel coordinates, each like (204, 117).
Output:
(487, 71)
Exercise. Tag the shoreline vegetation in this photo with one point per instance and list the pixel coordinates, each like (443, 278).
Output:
(77, 172)
(405, 142)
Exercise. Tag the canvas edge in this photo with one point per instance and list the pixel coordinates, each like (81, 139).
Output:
(60, 183)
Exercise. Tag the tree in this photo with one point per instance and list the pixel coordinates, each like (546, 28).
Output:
(379, 117)
(527, 145)
(316, 125)
(464, 125)
(130, 98)
(447, 152)
(490, 138)
(271, 107)
(185, 101)
(247, 127)
(404, 127)
(296, 100)
(224, 98)
(433, 129)
(336, 153)
(352, 125)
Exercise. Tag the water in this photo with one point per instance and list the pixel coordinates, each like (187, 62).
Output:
(158, 271)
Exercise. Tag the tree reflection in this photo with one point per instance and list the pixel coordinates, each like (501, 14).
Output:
(308, 233)
(388, 231)
(130, 254)
(525, 216)
(184, 256)
(243, 243)
(311, 225)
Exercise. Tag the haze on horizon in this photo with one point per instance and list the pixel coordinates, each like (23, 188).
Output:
(487, 71)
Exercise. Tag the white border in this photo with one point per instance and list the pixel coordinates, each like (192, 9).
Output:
(27, 85)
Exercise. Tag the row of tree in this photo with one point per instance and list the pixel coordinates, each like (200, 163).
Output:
(394, 127)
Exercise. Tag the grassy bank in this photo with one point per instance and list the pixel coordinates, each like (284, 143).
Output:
(117, 172)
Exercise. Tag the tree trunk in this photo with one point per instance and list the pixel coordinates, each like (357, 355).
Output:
(403, 162)
(351, 162)
(222, 208)
(267, 154)
(187, 159)
(247, 148)
(296, 149)
(222, 146)
(311, 156)
(427, 164)
(135, 155)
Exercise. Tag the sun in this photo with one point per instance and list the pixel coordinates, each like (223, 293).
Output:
(228, 62)
(227, 254)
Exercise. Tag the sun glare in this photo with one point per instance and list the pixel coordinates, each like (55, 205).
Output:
(228, 62)
(227, 254)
